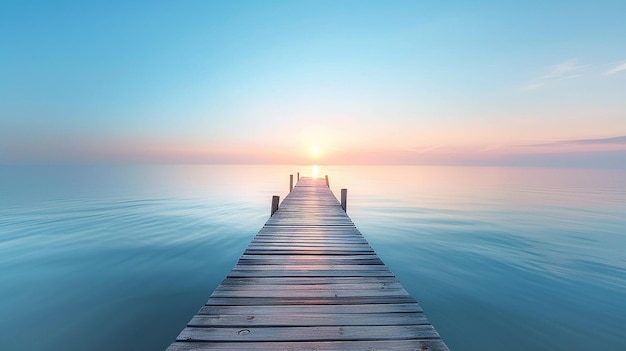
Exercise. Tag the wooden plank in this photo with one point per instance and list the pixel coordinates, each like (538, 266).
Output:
(339, 300)
(307, 293)
(309, 261)
(315, 257)
(308, 240)
(306, 281)
(309, 280)
(311, 309)
(333, 333)
(236, 273)
(300, 246)
(397, 345)
(305, 252)
(311, 287)
(307, 320)
(312, 256)
(298, 267)
(310, 230)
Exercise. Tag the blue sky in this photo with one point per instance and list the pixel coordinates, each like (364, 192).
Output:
(264, 81)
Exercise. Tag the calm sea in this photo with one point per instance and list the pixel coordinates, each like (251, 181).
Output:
(120, 257)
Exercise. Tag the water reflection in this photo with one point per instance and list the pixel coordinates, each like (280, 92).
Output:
(314, 172)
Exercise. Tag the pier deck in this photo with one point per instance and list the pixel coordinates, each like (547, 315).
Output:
(309, 281)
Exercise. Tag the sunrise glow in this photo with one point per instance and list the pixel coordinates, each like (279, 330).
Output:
(396, 92)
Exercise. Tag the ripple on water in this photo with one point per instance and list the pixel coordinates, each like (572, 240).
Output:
(513, 259)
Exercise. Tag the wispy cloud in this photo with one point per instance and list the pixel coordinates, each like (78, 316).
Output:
(617, 69)
(614, 140)
(620, 140)
(564, 70)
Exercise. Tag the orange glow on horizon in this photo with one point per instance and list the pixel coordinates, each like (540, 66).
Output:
(321, 150)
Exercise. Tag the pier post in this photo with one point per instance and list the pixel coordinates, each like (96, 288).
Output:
(298, 176)
(344, 199)
(290, 182)
(275, 200)
(327, 181)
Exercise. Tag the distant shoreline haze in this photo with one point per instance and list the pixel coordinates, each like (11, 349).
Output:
(611, 159)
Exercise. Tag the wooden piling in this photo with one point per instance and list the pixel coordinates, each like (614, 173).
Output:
(327, 181)
(275, 200)
(290, 182)
(298, 176)
(344, 199)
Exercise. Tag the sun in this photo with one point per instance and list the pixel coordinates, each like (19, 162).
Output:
(315, 150)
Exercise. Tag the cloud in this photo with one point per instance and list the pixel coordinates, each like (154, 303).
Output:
(614, 159)
(564, 70)
(614, 140)
(619, 140)
(617, 69)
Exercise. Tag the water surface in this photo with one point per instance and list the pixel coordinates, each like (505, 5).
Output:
(120, 257)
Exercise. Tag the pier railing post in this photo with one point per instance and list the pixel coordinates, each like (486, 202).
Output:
(298, 177)
(290, 182)
(327, 181)
(275, 200)
(344, 199)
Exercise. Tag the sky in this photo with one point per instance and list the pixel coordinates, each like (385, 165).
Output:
(521, 83)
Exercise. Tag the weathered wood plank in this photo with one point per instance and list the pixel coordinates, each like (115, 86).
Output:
(310, 240)
(309, 261)
(326, 261)
(307, 293)
(307, 320)
(314, 288)
(311, 230)
(312, 309)
(252, 281)
(312, 273)
(397, 345)
(333, 333)
(339, 300)
(298, 267)
(304, 252)
(312, 256)
(284, 246)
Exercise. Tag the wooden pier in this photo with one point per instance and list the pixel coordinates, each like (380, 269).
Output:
(309, 281)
